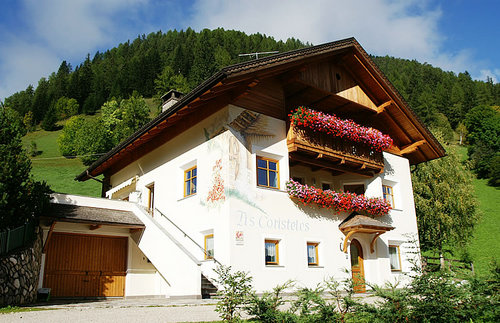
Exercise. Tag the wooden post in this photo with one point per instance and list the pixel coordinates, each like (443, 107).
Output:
(7, 242)
(44, 250)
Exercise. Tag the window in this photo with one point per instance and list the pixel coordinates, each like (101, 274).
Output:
(312, 253)
(209, 246)
(267, 172)
(388, 195)
(151, 197)
(395, 258)
(190, 181)
(326, 186)
(355, 188)
(272, 252)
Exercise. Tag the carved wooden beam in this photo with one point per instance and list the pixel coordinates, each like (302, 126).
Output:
(346, 239)
(412, 147)
(372, 244)
(381, 108)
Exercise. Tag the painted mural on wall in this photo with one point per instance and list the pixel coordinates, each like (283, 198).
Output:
(216, 193)
(232, 134)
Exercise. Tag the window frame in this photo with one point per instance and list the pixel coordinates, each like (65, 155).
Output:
(315, 245)
(276, 243)
(354, 184)
(190, 180)
(326, 183)
(151, 197)
(205, 238)
(384, 194)
(399, 269)
(267, 169)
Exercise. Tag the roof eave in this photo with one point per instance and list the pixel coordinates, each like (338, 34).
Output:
(188, 98)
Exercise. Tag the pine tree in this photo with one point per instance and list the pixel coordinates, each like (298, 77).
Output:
(21, 198)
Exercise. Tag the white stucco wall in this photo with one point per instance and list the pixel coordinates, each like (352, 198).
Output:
(225, 154)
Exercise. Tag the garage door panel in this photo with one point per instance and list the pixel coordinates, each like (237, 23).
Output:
(85, 265)
(112, 285)
(72, 285)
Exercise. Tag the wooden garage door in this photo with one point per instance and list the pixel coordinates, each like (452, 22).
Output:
(78, 265)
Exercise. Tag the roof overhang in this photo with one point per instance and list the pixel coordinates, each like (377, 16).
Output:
(234, 82)
(95, 217)
(357, 223)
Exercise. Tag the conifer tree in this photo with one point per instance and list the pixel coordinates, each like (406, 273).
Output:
(21, 198)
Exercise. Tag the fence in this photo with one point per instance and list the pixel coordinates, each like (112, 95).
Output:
(11, 239)
(433, 264)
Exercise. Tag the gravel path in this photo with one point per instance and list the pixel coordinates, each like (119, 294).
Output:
(125, 310)
(119, 311)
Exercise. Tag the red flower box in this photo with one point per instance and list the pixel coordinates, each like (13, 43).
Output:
(330, 124)
(338, 201)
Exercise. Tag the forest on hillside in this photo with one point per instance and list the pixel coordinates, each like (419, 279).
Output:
(454, 105)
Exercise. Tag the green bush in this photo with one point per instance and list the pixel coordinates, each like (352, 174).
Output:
(266, 307)
(430, 297)
(233, 290)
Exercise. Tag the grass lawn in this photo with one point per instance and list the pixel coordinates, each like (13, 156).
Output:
(57, 171)
(485, 245)
(16, 309)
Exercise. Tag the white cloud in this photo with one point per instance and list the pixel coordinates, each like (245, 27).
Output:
(57, 30)
(494, 75)
(399, 28)
(76, 26)
(23, 63)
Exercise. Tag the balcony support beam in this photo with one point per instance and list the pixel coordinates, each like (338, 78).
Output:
(411, 148)
(329, 165)
(381, 108)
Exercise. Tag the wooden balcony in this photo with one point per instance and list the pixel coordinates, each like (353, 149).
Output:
(322, 151)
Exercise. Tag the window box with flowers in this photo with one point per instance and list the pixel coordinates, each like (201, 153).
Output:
(330, 124)
(337, 201)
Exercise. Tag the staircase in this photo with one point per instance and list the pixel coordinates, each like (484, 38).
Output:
(208, 290)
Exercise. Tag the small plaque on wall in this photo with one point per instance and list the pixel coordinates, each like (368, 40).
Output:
(239, 237)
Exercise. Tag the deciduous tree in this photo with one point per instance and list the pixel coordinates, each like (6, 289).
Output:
(445, 203)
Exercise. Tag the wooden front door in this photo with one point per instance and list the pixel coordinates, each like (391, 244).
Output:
(358, 274)
(80, 265)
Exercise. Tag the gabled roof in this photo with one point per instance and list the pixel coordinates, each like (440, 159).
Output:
(362, 221)
(235, 81)
(93, 215)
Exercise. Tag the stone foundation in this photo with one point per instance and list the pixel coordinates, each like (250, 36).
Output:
(19, 273)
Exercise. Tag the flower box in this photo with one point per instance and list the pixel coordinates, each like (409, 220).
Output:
(330, 124)
(337, 201)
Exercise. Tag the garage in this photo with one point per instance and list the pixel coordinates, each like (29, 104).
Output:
(86, 250)
(79, 265)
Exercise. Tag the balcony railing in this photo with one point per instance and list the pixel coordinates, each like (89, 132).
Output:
(343, 153)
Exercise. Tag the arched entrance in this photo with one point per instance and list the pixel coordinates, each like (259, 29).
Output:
(358, 274)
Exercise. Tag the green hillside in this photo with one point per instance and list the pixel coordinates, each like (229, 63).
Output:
(59, 172)
(484, 245)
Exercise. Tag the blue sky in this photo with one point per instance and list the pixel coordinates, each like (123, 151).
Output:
(457, 35)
